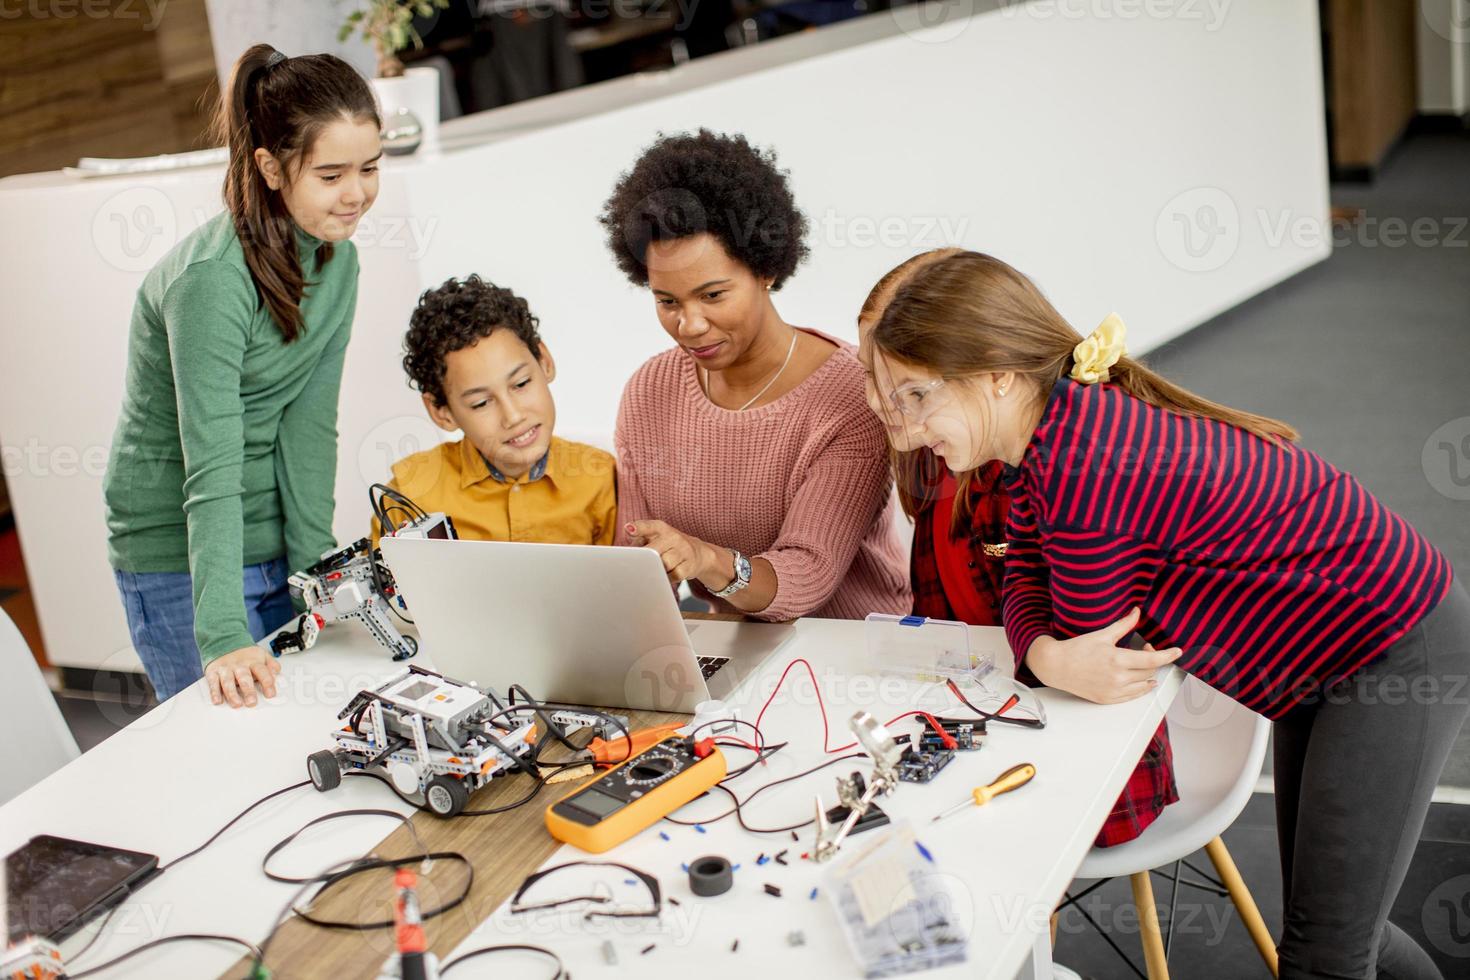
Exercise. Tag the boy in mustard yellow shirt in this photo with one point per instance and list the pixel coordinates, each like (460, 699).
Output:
(474, 352)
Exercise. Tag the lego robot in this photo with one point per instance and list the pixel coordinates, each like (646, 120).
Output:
(355, 583)
(33, 958)
(432, 737)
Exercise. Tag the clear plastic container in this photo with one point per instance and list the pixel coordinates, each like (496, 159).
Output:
(922, 649)
(898, 910)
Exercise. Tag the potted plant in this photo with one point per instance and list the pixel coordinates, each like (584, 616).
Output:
(409, 96)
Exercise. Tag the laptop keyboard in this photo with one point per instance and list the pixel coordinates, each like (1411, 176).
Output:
(708, 666)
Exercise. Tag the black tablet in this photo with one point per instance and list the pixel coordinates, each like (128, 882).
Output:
(54, 886)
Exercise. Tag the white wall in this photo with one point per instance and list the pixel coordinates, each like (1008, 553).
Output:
(1444, 56)
(1082, 149)
(293, 26)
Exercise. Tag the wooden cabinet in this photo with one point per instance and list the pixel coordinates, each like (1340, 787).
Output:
(102, 78)
(1369, 56)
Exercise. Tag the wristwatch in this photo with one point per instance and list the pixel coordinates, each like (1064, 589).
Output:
(741, 579)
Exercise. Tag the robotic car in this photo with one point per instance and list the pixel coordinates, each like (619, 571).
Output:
(435, 737)
(429, 735)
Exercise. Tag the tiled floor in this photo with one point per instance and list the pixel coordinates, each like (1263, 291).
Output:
(1209, 940)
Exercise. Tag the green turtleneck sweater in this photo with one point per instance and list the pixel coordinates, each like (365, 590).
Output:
(225, 454)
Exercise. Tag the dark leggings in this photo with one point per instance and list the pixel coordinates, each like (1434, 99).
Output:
(1354, 775)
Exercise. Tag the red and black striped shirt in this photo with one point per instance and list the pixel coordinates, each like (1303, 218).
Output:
(955, 578)
(1276, 573)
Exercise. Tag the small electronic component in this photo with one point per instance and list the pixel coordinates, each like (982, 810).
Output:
(636, 794)
(412, 960)
(968, 734)
(710, 876)
(921, 766)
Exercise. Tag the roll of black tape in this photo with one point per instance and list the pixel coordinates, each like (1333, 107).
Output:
(710, 876)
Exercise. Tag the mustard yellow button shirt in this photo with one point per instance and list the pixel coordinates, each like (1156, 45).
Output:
(569, 497)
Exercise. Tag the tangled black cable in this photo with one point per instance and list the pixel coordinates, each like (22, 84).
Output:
(378, 493)
(163, 941)
(345, 870)
(561, 970)
(739, 804)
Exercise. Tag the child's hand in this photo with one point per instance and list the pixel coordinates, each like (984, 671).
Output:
(683, 557)
(233, 677)
(1093, 666)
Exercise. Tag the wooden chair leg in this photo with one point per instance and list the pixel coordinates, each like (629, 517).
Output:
(1055, 916)
(1244, 904)
(1148, 922)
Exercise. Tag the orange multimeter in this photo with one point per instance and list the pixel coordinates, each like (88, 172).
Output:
(636, 794)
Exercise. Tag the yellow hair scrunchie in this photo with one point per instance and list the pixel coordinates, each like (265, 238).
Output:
(1099, 351)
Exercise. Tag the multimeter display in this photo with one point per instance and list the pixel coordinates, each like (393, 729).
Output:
(635, 794)
(597, 804)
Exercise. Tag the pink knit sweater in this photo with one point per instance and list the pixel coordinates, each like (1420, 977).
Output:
(802, 482)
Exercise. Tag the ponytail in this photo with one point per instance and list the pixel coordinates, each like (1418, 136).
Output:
(280, 104)
(1147, 385)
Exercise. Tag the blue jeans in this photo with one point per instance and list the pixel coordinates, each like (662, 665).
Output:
(160, 608)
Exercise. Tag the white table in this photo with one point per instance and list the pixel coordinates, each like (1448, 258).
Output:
(169, 780)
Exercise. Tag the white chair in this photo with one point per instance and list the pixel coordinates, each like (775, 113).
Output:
(29, 717)
(1218, 749)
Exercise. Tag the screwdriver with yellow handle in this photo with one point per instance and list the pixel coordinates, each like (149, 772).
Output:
(1013, 778)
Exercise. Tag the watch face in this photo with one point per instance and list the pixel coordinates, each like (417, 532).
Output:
(742, 577)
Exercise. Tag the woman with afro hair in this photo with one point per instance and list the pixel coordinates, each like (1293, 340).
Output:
(747, 457)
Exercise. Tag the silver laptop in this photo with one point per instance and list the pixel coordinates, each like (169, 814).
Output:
(570, 623)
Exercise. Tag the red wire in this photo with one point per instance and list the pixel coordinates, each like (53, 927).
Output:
(1010, 702)
(815, 686)
(730, 740)
(948, 739)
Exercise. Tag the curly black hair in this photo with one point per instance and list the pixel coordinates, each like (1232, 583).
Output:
(457, 315)
(685, 185)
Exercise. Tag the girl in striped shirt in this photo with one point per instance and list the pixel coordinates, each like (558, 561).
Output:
(1244, 559)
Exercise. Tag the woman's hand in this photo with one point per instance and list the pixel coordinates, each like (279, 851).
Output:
(684, 557)
(233, 676)
(1093, 666)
